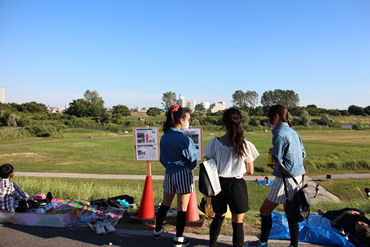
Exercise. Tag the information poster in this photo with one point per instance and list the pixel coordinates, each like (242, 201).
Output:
(146, 144)
(196, 135)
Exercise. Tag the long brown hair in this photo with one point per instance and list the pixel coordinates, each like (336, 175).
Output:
(281, 111)
(232, 119)
(173, 116)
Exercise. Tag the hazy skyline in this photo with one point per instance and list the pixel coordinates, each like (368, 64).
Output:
(131, 52)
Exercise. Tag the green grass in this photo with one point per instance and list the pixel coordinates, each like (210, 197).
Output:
(327, 151)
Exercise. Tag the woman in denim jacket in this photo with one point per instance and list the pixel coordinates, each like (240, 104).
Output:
(288, 148)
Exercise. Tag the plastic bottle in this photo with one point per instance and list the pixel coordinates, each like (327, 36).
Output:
(47, 208)
(269, 161)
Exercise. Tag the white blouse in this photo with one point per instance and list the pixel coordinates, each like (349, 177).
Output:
(228, 166)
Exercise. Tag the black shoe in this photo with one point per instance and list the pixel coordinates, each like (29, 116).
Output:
(180, 242)
(49, 197)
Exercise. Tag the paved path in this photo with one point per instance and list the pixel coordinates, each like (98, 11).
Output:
(19, 236)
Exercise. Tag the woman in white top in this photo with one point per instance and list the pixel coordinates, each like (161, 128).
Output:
(234, 156)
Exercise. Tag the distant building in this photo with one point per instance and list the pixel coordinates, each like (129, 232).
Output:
(59, 109)
(186, 103)
(205, 104)
(2, 95)
(137, 109)
(215, 107)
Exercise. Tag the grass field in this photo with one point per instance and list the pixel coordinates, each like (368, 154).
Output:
(327, 151)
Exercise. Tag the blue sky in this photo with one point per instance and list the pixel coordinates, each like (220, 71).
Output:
(131, 52)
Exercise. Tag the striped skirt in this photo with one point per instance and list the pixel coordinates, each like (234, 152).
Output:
(179, 182)
(276, 193)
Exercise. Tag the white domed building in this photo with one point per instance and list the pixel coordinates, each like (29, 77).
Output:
(205, 104)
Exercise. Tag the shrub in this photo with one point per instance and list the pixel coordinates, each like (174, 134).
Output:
(113, 128)
(254, 122)
(335, 124)
(12, 120)
(358, 126)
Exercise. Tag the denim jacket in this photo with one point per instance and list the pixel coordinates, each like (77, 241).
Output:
(177, 151)
(288, 148)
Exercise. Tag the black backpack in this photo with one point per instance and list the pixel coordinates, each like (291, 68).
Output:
(298, 209)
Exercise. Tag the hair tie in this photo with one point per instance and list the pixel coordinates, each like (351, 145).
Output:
(175, 107)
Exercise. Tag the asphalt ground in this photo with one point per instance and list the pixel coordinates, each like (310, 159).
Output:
(20, 236)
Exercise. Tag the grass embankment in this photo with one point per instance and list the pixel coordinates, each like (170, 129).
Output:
(92, 189)
(327, 151)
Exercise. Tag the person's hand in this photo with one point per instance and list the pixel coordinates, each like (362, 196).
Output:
(272, 167)
(270, 150)
(352, 212)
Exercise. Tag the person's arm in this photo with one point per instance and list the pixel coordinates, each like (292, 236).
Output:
(19, 194)
(340, 217)
(250, 168)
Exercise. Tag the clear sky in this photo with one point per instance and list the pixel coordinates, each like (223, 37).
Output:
(131, 52)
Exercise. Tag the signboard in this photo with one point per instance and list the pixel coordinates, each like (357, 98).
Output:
(146, 144)
(196, 135)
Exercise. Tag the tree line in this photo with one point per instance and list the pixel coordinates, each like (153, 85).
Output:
(92, 105)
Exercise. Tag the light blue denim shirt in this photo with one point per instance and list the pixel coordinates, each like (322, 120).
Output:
(288, 148)
(177, 151)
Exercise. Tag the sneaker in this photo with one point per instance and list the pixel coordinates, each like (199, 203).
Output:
(180, 241)
(108, 227)
(157, 234)
(257, 243)
(99, 228)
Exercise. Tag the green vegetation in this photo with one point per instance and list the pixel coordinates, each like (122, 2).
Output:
(327, 151)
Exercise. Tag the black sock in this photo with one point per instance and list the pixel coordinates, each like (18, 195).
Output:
(215, 229)
(238, 235)
(180, 223)
(294, 232)
(161, 216)
(266, 225)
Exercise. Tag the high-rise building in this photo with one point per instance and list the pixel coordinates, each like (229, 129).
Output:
(2, 95)
(186, 103)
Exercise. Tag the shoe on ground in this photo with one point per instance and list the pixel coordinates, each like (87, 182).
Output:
(320, 211)
(257, 243)
(180, 241)
(157, 234)
(108, 227)
(99, 228)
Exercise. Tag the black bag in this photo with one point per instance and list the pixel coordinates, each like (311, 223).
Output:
(106, 203)
(298, 209)
(205, 186)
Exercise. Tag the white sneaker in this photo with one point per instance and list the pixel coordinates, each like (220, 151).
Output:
(180, 242)
(108, 227)
(99, 228)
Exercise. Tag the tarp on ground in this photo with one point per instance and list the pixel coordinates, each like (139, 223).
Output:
(318, 227)
(65, 214)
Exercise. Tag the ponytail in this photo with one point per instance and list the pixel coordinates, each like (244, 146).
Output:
(173, 116)
(233, 119)
(281, 111)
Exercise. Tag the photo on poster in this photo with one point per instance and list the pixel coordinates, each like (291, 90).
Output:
(196, 135)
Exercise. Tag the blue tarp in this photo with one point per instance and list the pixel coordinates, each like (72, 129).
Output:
(262, 182)
(322, 232)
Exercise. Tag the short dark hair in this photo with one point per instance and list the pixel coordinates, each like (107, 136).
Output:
(364, 232)
(6, 170)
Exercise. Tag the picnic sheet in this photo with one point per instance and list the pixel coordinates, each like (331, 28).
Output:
(262, 182)
(322, 232)
(65, 214)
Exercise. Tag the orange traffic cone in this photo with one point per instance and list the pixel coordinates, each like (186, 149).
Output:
(193, 213)
(146, 209)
